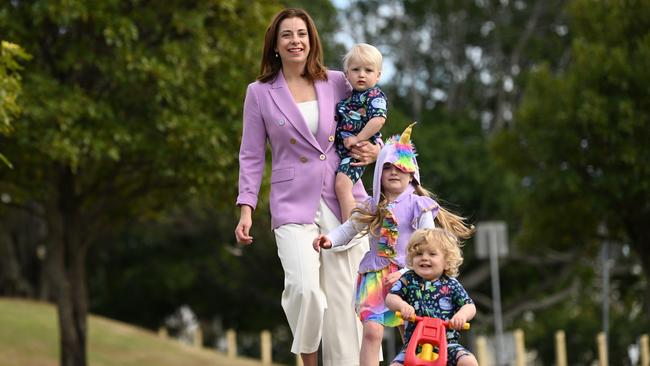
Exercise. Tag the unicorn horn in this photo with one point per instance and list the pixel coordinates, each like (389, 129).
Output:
(405, 138)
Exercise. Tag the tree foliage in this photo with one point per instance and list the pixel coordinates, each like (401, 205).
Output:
(130, 107)
(10, 87)
(580, 148)
(466, 56)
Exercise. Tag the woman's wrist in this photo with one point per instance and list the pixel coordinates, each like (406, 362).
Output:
(245, 210)
(375, 152)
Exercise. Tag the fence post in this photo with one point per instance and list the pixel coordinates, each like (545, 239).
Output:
(198, 338)
(231, 338)
(645, 350)
(520, 348)
(481, 351)
(560, 348)
(601, 339)
(266, 350)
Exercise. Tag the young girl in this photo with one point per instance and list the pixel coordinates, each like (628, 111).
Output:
(430, 289)
(398, 207)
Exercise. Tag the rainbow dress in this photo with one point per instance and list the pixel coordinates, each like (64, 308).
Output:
(371, 288)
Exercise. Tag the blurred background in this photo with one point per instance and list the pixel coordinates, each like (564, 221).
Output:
(120, 123)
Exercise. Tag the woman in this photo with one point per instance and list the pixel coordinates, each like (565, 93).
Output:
(291, 105)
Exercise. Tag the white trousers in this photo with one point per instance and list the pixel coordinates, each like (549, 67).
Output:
(318, 296)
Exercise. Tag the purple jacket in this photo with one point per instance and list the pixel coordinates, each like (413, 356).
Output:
(303, 166)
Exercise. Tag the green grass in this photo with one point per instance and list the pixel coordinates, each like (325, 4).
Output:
(29, 337)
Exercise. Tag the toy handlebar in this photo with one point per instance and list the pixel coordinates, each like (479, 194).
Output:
(428, 343)
(417, 318)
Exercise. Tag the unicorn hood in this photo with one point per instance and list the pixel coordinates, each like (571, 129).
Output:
(400, 152)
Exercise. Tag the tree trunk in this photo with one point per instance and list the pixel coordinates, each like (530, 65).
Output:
(21, 233)
(640, 242)
(636, 225)
(11, 281)
(67, 269)
(644, 256)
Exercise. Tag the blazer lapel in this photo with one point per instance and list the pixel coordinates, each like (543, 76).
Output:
(284, 101)
(326, 107)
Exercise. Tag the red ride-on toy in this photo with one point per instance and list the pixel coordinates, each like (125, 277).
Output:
(430, 335)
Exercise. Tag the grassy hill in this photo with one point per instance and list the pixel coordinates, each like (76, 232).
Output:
(29, 337)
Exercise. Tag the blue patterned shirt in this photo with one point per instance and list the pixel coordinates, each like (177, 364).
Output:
(441, 299)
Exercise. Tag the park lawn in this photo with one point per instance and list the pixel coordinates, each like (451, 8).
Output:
(29, 337)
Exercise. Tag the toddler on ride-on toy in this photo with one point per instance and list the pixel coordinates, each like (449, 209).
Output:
(429, 290)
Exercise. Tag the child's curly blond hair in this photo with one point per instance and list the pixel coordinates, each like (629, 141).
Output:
(441, 240)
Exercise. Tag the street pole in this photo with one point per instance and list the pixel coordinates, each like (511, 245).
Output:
(492, 243)
(496, 295)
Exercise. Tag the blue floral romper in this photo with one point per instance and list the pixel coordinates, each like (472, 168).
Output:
(441, 299)
(352, 114)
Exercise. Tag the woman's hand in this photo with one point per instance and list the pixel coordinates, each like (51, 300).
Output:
(364, 152)
(243, 227)
(350, 141)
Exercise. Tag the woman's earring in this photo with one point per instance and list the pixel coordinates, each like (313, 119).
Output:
(277, 55)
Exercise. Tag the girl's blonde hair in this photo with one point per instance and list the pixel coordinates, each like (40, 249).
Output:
(364, 53)
(439, 239)
(447, 220)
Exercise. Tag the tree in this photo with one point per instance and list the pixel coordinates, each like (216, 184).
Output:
(465, 56)
(10, 88)
(130, 107)
(10, 56)
(579, 147)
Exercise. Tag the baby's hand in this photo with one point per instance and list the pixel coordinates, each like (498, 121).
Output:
(349, 142)
(392, 278)
(407, 311)
(321, 241)
(457, 322)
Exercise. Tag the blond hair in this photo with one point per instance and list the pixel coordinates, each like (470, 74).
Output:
(439, 239)
(447, 220)
(365, 54)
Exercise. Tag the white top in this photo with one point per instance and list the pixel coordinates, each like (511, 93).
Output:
(309, 112)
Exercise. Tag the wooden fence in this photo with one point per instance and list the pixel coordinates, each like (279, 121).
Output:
(482, 351)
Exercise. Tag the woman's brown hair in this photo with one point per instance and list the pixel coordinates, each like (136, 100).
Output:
(271, 65)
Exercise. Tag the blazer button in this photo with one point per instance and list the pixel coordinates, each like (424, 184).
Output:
(303, 159)
(322, 157)
(292, 141)
(330, 139)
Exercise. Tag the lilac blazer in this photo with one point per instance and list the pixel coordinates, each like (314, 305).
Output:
(303, 166)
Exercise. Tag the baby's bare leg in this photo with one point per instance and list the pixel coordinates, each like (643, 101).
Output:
(343, 187)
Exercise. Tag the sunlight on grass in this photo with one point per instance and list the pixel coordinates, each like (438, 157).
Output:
(29, 337)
